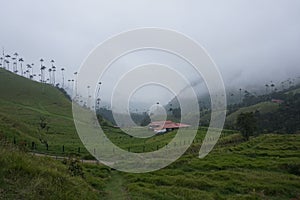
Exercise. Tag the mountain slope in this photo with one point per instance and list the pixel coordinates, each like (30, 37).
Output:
(23, 176)
(26, 105)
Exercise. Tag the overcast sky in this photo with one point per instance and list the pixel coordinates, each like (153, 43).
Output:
(251, 41)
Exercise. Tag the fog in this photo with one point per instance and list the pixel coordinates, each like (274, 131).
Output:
(251, 41)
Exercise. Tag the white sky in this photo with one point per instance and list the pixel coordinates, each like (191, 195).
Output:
(251, 41)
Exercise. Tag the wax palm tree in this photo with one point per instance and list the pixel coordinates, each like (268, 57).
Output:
(42, 69)
(21, 65)
(14, 65)
(7, 64)
(53, 74)
(53, 71)
(50, 72)
(75, 77)
(29, 69)
(16, 62)
(240, 95)
(7, 61)
(43, 74)
(272, 86)
(68, 86)
(63, 77)
(1, 61)
(99, 88)
(267, 87)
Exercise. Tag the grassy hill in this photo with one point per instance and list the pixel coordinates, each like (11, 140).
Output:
(23, 176)
(22, 105)
(266, 167)
(263, 107)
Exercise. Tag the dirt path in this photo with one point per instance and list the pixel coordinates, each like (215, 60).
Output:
(62, 157)
(115, 187)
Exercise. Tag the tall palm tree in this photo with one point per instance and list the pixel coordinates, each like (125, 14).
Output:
(89, 95)
(240, 95)
(272, 86)
(7, 64)
(29, 75)
(42, 69)
(267, 87)
(16, 63)
(75, 76)
(50, 71)
(63, 77)
(1, 61)
(53, 74)
(53, 71)
(98, 88)
(7, 61)
(43, 74)
(21, 65)
(69, 83)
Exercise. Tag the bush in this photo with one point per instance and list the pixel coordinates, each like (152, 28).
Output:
(74, 166)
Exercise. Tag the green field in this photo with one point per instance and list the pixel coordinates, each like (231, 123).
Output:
(266, 167)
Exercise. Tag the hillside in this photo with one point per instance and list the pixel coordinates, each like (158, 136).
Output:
(263, 107)
(25, 104)
(23, 176)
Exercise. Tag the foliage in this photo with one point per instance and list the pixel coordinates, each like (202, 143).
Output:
(74, 166)
(246, 123)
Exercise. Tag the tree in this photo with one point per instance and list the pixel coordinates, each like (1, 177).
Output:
(53, 71)
(42, 69)
(50, 72)
(63, 77)
(21, 66)
(246, 123)
(267, 87)
(7, 61)
(15, 64)
(42, 74)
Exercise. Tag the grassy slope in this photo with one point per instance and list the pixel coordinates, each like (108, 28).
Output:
(267, 167)
(23, 102)
(263, 107)
(23, 176)
(295, 91)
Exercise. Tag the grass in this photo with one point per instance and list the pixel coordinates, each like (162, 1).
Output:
(24, 102)
(295, 91)
(266, 167)
(263, 107)
(23, 176)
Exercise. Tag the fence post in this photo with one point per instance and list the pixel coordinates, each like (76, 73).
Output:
(63, 148)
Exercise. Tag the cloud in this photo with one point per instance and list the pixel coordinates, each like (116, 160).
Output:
(250, 40)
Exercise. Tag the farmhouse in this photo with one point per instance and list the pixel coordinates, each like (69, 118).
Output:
(165, 126)
(279, 101)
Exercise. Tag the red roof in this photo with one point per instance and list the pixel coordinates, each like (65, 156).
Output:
(158, 125)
